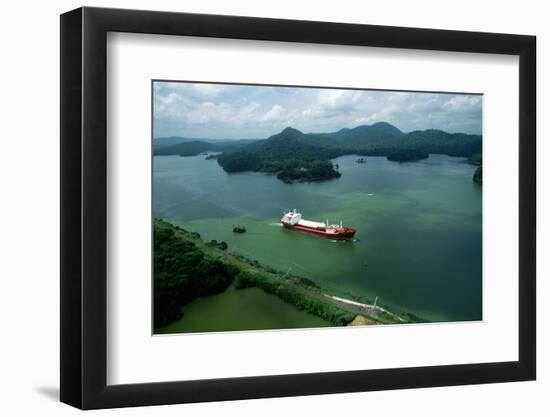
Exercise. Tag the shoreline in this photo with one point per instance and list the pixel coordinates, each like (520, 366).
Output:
(300, 292)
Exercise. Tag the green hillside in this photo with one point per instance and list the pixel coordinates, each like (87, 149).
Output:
(283, 154)
(296, 156)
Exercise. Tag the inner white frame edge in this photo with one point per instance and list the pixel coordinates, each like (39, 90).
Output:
(135, 356)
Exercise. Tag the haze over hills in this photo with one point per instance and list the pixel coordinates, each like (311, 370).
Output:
(169, 141)
(189, 148)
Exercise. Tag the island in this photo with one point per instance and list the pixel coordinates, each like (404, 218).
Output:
(239, 229)
(477, 178)
(186, 268)
(294, 156)
(296, 170)
(477, 160)
(407, 155)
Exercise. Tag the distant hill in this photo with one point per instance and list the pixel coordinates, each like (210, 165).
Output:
(177, 145)
(381, 139)
(440, 142)
(360, 137)
(168, 141)
(190, 148)
(285, 145)
(292, 152)
(285, 155)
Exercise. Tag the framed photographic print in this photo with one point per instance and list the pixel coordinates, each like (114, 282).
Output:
(258, 207)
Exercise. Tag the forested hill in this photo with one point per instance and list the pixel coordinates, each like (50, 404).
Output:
(378, 134)
(382, 138)
(297, 156)
(288, 144)
(283, 154)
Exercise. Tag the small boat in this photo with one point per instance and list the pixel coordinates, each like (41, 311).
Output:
(293, 220)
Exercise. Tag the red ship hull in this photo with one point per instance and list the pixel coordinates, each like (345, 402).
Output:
(346, 233)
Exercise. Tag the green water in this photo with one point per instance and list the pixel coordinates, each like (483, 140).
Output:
(247, 309)
(418, 245)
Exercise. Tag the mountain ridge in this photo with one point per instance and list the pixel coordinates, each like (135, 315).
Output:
(297, 156)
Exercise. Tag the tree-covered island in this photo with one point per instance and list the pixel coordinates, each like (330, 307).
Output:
(407, 155)
(477, 160)
(478, 179)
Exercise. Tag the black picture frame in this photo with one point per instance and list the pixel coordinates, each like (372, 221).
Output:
(84, 207)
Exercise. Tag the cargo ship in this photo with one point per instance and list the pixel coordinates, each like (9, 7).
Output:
(293, 220)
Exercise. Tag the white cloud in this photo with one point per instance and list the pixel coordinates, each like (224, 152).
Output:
(462, 103)
(208, 90)
(276, 113)
(214, 110)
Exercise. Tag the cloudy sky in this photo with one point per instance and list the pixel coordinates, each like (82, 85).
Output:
(235, 111)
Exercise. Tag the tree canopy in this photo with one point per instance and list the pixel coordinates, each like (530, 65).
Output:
(478, 176)
(182, 273)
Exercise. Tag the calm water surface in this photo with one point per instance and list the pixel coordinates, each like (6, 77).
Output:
(418, 245)
(238, 310)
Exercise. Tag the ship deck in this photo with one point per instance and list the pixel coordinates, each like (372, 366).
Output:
(309, 223)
